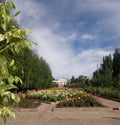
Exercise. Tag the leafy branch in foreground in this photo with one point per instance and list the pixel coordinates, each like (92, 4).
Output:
(12, 42)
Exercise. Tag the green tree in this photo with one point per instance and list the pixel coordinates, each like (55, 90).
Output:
(116, 63)
(80, 81)
(72, 80)
(37, 73)
(116, 68)
(96, 78)
(103, 76)
(106, 71)
(12, 42)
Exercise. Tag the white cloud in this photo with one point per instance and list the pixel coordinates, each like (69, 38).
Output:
(86, 61)
(87, 37)
(53, 48)
(56, 48)
(73, 36)
(108, 12)
(60, 56)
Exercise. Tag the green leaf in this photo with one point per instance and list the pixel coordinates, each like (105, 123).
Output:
(12, 96)
(12, 114)
(3, 67)
(2, 83)
(16, 49)
(12, 63)
(17, 79)
(10, 4)
(16, 33)
(2, 37)
(6, 112)
(27, 31)
(34, 42)
(16, 13)
(11, 79)
(7, 87)
(13, 5)
(2, 60)
(3, 26)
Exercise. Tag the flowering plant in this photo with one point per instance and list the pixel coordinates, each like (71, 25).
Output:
(65, 97)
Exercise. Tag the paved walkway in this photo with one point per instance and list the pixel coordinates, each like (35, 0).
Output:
(108, 103)
(46, 114)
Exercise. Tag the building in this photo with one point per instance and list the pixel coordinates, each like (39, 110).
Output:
(61, 82)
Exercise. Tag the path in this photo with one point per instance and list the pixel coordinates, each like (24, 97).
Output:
(45, 115)
(107, 102)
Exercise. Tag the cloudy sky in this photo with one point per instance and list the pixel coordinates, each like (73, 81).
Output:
(72, 35)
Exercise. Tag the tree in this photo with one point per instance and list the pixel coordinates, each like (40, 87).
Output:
(108, 75)
(37, 73)
(81, 81)
(103, 76)
(72, 80)
(106, 71)
(12, 42)
(116, 63)
(116, 68)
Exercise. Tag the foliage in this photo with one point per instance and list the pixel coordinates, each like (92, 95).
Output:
(104, 92)
(12, 42)
(103, 75)
(116, 68)
(108, 75)
(37, 73)
(116, 63)
(81, 81)
(106, 79)
(65, 97)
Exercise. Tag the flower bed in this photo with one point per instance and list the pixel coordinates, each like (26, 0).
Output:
(65, 97)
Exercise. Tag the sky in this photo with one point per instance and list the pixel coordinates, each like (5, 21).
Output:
(72, 35)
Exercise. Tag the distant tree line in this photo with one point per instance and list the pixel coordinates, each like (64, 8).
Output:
(108, 75)
(80, 81)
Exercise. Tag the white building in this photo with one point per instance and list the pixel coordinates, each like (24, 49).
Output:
(61, 82)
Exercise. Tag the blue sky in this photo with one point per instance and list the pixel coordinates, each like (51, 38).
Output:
(72, 35)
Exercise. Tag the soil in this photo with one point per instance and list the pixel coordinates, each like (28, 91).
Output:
(29, 103)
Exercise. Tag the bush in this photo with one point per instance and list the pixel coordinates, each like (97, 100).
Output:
(104, 92)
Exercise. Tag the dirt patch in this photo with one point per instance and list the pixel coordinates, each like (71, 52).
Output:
(29, 103)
